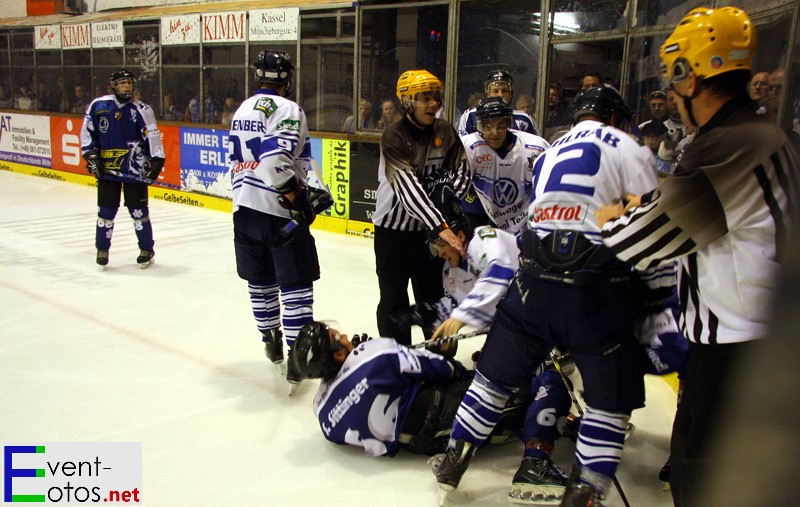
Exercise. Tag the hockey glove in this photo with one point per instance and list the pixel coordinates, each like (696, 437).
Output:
(94, 164)
(156, 165)
(358, 339)
(320, 199)
(301, 209)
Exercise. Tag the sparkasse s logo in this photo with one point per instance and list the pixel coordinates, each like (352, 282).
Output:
(72, 473)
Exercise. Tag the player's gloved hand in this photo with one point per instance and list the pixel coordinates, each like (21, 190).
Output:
(156, 165)
(459, 371)
(320, 199)
(358, 339)
(94, 164)
(300, 207)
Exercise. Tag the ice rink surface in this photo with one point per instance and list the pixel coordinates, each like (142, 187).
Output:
(170, 357)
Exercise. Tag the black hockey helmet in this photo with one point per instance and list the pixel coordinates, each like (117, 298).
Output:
(312, 352)
(274, 67)
(498, 76)
(602, 101)
(118, 76)
(492, 108)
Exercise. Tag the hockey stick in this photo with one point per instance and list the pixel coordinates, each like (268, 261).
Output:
(140, 179)
(557, 364)
(448, 339)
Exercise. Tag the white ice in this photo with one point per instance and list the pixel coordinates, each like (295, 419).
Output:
(170, 357)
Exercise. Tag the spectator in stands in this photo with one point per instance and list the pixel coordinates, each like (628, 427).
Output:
(389, 114)
(25, 98)
(169, 112)
(79, 100)
(365, 121)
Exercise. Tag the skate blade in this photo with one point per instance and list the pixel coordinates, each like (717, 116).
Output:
(147, 264)
(530, 494)
(293, 387)
(101, 268)
(443, 493)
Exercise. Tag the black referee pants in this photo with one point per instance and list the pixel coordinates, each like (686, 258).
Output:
(710, 370)
(401, 256)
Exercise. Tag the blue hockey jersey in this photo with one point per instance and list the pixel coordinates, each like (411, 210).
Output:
(366, 404)
(125, 134)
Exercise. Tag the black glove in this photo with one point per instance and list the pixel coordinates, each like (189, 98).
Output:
(320, 199)
(301, 209)
(156, 165)
(459, 371)
(94, 164)
(358, 339)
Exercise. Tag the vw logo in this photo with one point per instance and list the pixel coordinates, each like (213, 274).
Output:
(505, 192)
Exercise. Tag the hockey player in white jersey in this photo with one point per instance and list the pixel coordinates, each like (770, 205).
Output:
(570, 292)
(270, 155)
(122, 147)
(498, 83)
(500, 161)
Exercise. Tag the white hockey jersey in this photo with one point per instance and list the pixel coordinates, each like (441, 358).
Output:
(592, 165)
(502, 178)
(523, 122)
(268, 144)
(473, 289)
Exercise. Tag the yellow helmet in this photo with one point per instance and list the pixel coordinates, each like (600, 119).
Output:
(708, 42)
(412, 82)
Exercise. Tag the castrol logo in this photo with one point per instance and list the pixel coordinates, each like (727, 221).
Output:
(244, 166)
(573, 213)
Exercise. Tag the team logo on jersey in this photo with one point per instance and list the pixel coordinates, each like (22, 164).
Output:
(504, 192)
(266, 105)
(486, 157)
(113, 158)
(102, 125)
(572, 213)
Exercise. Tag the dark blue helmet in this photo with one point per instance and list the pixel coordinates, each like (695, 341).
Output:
(120, 75)
(602, 101)
(274, 67)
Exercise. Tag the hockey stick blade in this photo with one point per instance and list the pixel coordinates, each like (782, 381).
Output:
(141, 179)
(448, 339)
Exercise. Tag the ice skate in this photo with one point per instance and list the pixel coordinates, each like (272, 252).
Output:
(538, 481)
(273, 345)
(102, 258)
(145, 259)
(292, 377)
(452, 465)
(581, 494)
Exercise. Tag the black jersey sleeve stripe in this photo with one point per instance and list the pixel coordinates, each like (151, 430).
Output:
(774, 210)
(694, 296)
(713, 325)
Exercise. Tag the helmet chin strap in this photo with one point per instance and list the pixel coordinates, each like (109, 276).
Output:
(687, 99)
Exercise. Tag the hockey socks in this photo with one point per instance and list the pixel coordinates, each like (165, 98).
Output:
(480, 410)
(297, 310)
(601, 440)
(264, 301)
(105, 227)
(143, 227)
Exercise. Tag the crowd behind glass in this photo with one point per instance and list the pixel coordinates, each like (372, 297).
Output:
(205, 83)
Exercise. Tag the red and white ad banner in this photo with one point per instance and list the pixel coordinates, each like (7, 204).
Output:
(225, 27)
(47, 37)
(178, 30)
(76, 36)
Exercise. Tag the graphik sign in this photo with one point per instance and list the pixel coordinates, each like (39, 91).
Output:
(72, 473)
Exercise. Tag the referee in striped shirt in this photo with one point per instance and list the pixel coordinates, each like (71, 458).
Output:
(724, 215)
(420, 156)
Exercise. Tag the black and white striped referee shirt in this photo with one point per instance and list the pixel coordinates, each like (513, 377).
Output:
(410, 160)
(724, 216)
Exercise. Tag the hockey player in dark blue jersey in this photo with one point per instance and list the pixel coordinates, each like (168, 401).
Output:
(123, 150)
